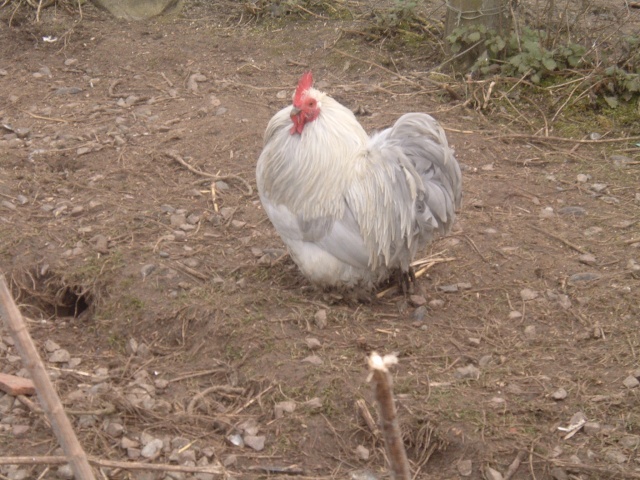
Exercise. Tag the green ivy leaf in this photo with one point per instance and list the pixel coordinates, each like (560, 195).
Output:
(535, 78)
(473, 37)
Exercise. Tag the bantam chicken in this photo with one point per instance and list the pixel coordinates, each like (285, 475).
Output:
(354, 209)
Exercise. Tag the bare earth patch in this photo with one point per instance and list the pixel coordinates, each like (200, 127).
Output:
(178, 332)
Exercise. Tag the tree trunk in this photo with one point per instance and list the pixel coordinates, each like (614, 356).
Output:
(493, 14)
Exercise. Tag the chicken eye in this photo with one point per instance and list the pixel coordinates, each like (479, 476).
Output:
(311, 103)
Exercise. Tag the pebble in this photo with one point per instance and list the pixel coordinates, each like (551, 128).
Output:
(177, 220)
(60, 356)
(528, 294)
(20, 430)
(420, 313)
(632, 442)
(621, 160)
(126, 443)
(591, 231)
(558, 473)
(591, 428)
(572, 210)
(436, 303)
(152, 448)
(615, 455)
(546, 212)
(312, 343)
(221, 111)
(465, 467)
(417, 300)
(65, 472)
(313, 360)
(222, 185)
(281, 408)
(598, 187)
(8, 205)
(256, 442)
(362, 453)
(530, 332)
(320, 318)
(559, 394)
(449, 288)
(147, 269)
(582, 178)
(583, 277)
(631, 382)
(514, 314)
(587, 259)
(469, 372)
(51, 346)
(238, 223)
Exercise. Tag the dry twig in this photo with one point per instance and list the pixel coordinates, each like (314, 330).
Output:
(560, 239)
(379, 367)
(180, 160)
(49, 399)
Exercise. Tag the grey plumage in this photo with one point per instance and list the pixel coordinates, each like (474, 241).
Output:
(351, 208)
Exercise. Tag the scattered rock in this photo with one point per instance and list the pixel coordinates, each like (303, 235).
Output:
(530, 332)
(60, 356)
(312, 343)
(615, 455)
(417, 300)
(558, 473)
(65, 472)
(572, 210)
(256, 442)
(587, 259)
(631, 382)
(436, 303)
(449, 288)
(194, 79)
(620, 161)
(362, 453)
(584, 277)
(559, 394)
(598, 187)
(420, 313)
(152, 448)
(313, 360)
(591, 231)
(147, 270)
(632, 442)
(20, 430)
(465, 468)
(591, 428)
(514, 314)
(528, 294)
(469, 372)
(320, 318)
(582, 178)
(51, 346)
(281, 408)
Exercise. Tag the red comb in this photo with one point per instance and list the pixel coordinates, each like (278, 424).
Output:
(304, 84)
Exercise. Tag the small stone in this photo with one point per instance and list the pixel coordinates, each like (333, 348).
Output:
(127, 443)
(147, 269)
(558, 473)
(134, 453)
(151, 449)
(8, 205)
(572, 210)
(469, 372)
(587, 259)
(229, 460)
(313, 360)
(598, 187)
(632, 442)
(65, 472)
(528, 294)
(583, 277)
(546, 212)
(417, 300)
(222, 186)
(582, 178)
(362, 453)
(60, 356)
(615, 455)
(22, 200)
(20, 430)
(176, 220)
(591, 231)
(312, 343)
(620, 161)
(320, 318)
(559, 394)
(465, 468)
(449, 288)
(530, 332)
(514, 314)
(436, 303)
(631, 382)
(51, 346)
(114, 429)
(221, 111)
(474, 341)
(238, 224)
(256, 442)
(420, 313)
(591, 428)
(281, 408)
(485, 360)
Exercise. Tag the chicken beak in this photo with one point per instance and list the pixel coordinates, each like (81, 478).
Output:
(294, 111)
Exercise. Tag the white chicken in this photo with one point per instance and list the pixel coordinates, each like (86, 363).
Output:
(352, 208)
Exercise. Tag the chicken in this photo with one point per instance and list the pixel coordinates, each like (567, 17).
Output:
(354, 209)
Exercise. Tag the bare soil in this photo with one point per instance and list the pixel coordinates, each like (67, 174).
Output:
(97, 254)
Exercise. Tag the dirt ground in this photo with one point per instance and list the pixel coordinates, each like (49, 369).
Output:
(166, 309)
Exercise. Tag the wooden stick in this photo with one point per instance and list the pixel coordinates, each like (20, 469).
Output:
(388, 417)
(58, 460)
(49, 399)
(560, 239)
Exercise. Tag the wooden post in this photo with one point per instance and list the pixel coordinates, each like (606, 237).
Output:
(493, 14)
(44, 388)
